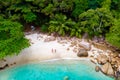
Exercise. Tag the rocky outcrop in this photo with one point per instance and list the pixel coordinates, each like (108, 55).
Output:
(117, 75)
(82, 53)
(102, 59)
(93, 60)
(107, 69)
(50, 39)
(85, 45)
(3, 64)
(100, 46)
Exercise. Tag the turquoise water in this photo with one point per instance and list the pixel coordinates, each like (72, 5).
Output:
(54, 70)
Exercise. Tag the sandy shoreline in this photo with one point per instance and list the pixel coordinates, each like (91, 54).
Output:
(40, 50)
(56, 48)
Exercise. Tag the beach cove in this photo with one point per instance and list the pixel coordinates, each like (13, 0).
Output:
(48, 47)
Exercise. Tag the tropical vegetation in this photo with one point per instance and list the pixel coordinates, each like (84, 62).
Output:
(64, 17)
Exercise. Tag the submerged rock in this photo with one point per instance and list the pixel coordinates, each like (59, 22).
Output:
(118, 78)
(97, 68)
(66, 78)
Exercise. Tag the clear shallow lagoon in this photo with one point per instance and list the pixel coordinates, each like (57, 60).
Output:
(54, 70)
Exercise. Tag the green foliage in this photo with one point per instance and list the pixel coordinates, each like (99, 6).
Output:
(55, 6)
(48, 10)
(113, 36)
(20, 10)
(29, 17)
(96, 22)
(115, 5)
(79, 7)
(106, 4)
(58, 24)
(44, 28)
(93, 4)
(12, 39)
(71, 17)
(115, 8)
(61, 25)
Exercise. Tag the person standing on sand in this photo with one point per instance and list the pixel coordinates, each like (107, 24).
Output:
(52, 50)
(55, 50)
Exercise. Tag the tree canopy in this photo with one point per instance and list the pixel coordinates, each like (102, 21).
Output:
(71, 17)
(11, 38)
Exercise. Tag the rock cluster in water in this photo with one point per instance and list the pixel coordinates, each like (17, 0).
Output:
(108, 60)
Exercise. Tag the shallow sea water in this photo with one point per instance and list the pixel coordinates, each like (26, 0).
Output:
(54, 70)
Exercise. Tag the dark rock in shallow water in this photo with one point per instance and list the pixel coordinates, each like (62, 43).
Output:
(97, 68)
(66, 78)
(117, 78)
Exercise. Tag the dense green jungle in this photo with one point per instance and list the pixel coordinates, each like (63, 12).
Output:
(99, 18)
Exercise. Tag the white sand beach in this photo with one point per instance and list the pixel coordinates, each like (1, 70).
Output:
(40, 50)
(53, 48)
